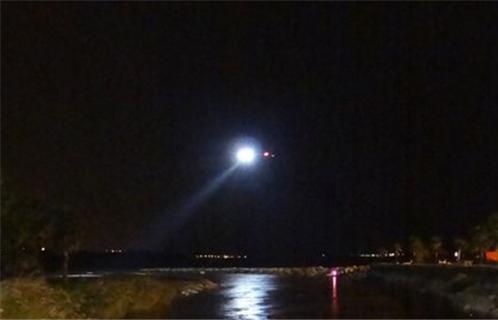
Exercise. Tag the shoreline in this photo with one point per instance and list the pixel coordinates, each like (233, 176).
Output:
(151, 292)
(473, 290)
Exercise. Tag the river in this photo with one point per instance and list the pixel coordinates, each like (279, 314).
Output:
(258, 296)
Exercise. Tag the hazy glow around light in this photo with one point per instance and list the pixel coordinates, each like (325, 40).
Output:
(246, 155)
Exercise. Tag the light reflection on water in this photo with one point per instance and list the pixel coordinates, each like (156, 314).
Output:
(248, 296)
(335, 303)
(263, 296)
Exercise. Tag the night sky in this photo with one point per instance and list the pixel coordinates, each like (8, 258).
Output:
(383, 117)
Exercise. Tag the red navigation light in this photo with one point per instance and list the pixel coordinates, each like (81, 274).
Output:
(266, 154)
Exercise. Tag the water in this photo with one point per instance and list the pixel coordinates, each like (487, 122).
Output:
(257, 296)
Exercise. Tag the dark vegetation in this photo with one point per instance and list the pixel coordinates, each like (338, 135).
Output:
(106, 297)
(470, 247)
(29, 225)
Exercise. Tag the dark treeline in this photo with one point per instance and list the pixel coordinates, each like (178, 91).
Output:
(470, 247)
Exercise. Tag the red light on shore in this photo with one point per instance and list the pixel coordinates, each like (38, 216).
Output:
(333, 272)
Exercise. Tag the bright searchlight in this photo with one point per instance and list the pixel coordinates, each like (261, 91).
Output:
(246, 155)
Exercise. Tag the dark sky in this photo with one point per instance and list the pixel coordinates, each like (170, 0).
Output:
(384, 118)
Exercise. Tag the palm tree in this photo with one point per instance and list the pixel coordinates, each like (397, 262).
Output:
(485, 236)
(461, 245)
(418, 249)
(398, 250)
(436, 246)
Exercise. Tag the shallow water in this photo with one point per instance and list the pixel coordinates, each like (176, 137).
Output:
(257, 296)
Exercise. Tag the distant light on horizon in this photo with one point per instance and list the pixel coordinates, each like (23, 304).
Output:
(219, 256)
(114, 250)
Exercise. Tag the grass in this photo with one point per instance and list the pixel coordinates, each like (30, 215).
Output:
(106, 297)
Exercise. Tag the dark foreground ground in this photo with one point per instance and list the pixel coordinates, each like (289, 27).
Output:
(473, 289)
(109, 297)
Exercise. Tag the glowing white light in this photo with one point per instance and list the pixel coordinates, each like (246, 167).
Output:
(42, 248)
(246, 155)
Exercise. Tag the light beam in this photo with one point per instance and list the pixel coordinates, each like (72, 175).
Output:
(168, 224)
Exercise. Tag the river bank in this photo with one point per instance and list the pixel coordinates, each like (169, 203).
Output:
(311, 271)
(107, 294)
(128, 294)
(474, 290)
(95, 297)
(349, 292)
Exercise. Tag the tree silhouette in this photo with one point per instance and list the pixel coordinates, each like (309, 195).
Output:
(398, 250)
(66, 234)
(436, 247)
(461, 246)
(419, 250)
(23, 228)
(485, 236)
